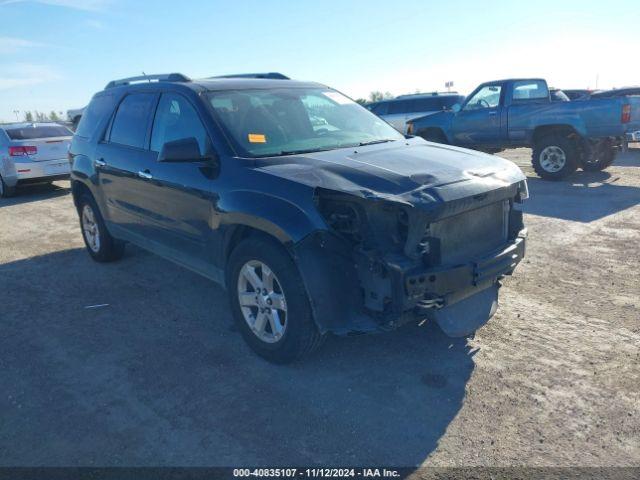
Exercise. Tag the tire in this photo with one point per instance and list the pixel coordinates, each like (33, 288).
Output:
(555, 157)
(295, 334)
(5, 190)
(604, 159)
(435, 136)
(106, 248)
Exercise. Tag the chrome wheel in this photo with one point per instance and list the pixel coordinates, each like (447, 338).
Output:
(262, 301)
(90, 228)
(553, 159)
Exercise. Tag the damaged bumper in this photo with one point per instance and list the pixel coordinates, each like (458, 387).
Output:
(346, 299)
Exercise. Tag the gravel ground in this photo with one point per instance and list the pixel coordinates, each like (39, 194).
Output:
(159, 375)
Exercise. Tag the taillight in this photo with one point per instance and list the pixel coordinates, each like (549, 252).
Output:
(626, 113)
(22, 151)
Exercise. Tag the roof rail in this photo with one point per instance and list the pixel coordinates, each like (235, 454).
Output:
(271, 75)
(158, 77)
(427, 94)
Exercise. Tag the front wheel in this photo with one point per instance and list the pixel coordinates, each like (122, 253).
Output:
(554, 157)
(269, 302)
(100, 244)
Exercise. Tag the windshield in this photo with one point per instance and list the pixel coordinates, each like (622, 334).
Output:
(285, 121)
(42, 131)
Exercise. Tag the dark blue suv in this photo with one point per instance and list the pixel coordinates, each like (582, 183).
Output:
(313, 213)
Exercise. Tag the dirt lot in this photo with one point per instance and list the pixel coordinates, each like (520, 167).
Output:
(159, 375)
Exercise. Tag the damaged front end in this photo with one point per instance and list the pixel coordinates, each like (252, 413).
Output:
(385, 261)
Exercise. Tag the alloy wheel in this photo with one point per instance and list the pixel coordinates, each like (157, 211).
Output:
(262, 301)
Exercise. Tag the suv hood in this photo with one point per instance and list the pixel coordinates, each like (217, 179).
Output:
(411, 171)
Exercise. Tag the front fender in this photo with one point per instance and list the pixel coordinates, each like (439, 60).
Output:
(441, 121)
(284, 219)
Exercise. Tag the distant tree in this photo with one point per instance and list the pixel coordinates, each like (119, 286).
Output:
(362, 101)
(28, 117)
(41, 117)
(377, 95)
(53, 116)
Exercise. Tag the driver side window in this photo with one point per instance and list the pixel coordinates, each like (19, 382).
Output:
(177, 119)
(487, 97)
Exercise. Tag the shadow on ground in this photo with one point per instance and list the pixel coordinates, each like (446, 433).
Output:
(157, 375)
(584, 197)
(35, 193)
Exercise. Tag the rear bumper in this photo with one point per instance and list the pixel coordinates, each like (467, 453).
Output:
(18, 173)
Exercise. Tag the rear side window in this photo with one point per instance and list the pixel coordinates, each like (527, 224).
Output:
(176, 119)
(32, 133)
(530, 90)
(132, 119)
(98, 109)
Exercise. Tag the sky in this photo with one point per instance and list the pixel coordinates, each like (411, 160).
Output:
(55, 54)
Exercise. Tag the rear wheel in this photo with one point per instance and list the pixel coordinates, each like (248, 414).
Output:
(269, 302)
(5, 190)
(554, 157)
(600, 160)
(100, 244)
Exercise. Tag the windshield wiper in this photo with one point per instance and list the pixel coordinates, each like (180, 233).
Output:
(282, 153)
(373, 142)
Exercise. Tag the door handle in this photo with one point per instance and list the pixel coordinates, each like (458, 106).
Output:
(101, 163)
(145, 174)
(493, 113)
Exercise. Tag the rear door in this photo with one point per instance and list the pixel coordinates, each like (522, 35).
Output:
(121, 160)
(478, 123)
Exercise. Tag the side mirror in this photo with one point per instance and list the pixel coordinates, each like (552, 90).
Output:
(456, 107)
(183, 150)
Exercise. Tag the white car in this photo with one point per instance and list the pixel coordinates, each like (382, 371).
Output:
(32, 153)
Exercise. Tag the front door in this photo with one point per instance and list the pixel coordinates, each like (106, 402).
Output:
(478, 123)
(182, 195)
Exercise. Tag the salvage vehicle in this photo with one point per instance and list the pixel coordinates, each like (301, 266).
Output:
(339, 226)
(520, 113)
(32, 153)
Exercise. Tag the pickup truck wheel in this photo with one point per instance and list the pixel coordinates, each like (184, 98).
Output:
(5, 190)
(554, 157)
(269, 302)
(602, 160)
(100, 244)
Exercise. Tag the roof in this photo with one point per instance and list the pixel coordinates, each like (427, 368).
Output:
(238, 83)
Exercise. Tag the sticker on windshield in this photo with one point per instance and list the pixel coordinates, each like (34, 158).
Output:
(337, 97)
(257, 138)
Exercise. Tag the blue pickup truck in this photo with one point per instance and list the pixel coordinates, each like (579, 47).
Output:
(516, 113)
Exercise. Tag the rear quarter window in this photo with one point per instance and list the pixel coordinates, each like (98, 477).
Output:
(99, 108)
(31, 133)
